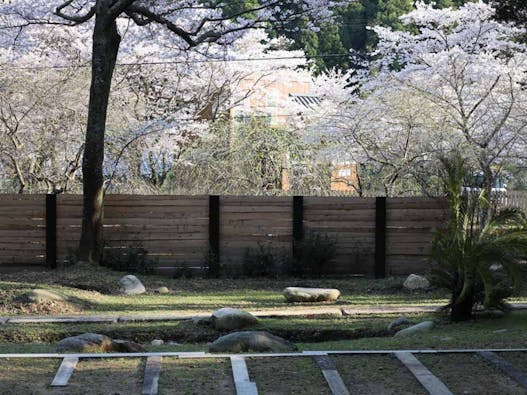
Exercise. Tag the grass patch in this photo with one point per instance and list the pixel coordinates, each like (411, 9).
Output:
(347, 333)
(470, 374)
(376, 374)
(481, 333)
(291, 375)
(196, 376)
(95, 291)
(27, 376)
(518, 359)
(107, 375)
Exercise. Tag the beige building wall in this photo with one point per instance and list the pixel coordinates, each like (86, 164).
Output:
(344, 177)
(269, 95)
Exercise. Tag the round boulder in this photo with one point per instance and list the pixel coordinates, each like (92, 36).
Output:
(414, 281)
(125, 346)
(85, 343)
(96, 343)
(251, 341)
(162, 290)
(398, 323)
(415, 329)
(297, 294)
(230, 319)
(130, 285)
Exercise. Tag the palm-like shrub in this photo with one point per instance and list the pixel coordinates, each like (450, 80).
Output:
(478, 256)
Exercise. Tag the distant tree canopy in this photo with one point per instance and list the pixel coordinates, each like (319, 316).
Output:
(512, 10)
(329, 47)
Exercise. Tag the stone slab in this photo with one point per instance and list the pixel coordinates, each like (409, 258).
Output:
(431, 383)
(243, 384)
(64, 372)
(330, 373)
(290, 312)
(505, 366)
(335, 382)
(324, 362)
(152, 371)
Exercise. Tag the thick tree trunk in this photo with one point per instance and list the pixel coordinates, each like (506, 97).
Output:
(462, 311)
(106, 42)
(462, 303)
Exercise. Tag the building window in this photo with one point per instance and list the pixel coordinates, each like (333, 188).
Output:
(344, 173)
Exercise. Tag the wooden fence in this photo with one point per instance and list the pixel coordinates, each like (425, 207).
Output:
(513, 199)
(374, 235)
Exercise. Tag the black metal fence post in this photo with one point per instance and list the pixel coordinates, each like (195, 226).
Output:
(51, 230)
(214, 235)
(380, 237)
(298, 222)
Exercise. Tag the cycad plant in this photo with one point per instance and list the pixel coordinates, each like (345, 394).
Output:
(478, 257)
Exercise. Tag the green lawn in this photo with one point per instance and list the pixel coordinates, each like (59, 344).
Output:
(380, 374)
(347, 333)
(96, 292)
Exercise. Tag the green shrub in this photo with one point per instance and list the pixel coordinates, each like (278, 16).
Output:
(264, 261)
(312, 254)
(479, 256)
(212, 267)
(131, 260)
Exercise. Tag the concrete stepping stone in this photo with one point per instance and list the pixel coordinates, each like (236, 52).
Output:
(152, 371)
(331, 374)
(431, 383)
(64, 372)
(240, 374)
(506, 367)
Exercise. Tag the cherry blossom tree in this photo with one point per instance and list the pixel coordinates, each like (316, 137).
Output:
(171, 107)
(41, 123)
(471, 70)
(454, 81)
(161, 29)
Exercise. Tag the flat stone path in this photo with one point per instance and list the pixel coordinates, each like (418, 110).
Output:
(337, 311)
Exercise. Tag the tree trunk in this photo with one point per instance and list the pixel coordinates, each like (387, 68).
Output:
(106, 42)
(462, 311)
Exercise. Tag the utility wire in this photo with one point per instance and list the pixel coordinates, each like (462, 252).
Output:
(157, 63)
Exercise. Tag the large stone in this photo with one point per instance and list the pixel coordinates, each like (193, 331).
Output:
(126, 346)
(130, 285)
(297, 294)
(205, 321)
(415, 329)
(251, 341)
(397, 323)
(41, 295)
(231, 319)
(85, 343)
(96, 343)
(414, 281)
